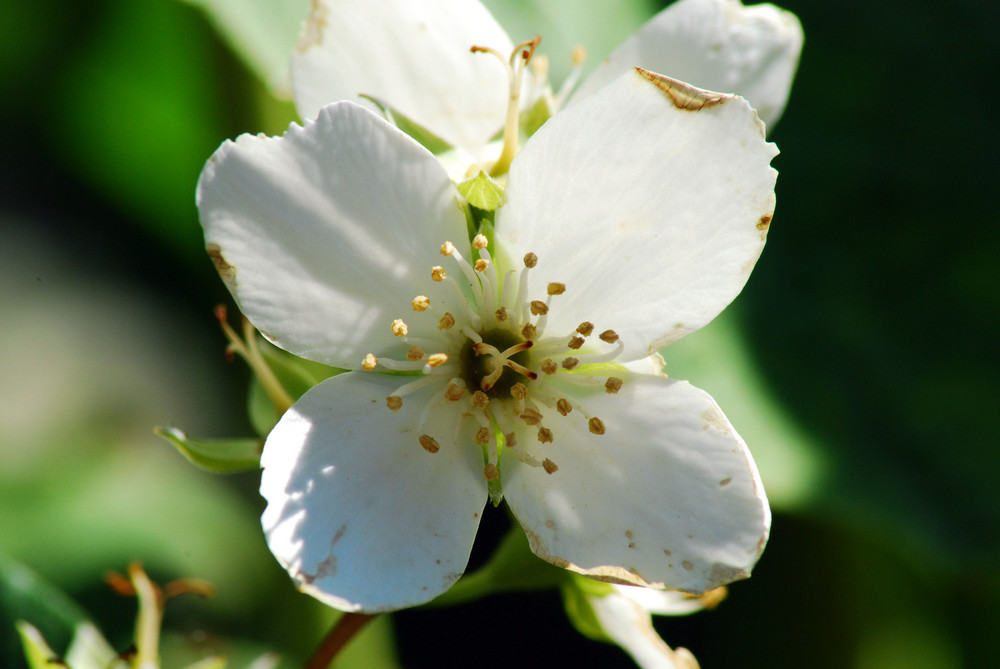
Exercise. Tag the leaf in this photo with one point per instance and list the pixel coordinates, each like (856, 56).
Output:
(579, 611)
(221, 456)
(482, 192)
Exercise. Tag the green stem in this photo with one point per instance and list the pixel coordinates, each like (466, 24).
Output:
(337, 638)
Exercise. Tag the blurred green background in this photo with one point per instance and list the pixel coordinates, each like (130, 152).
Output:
(860, 362)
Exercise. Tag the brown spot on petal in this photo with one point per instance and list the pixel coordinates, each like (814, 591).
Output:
(713, 417)
(722, 574)
(687, 565)
(312, 30)
(764, 222)
(726, 481)
(683, 96)
(225, 270)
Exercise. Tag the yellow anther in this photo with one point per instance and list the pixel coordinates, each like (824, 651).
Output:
(585, 328)
(420, 303)
(549, 466)
(446, 322)
(414, 353)
(575, 342)
(564, 407)
(549, 366)
(529, 331)
(399, 328)
(438, 273)
(596, 425)
(579, 55)
(491, 472)
(429, 443)
(482, 436)
(481, 265)
(609, 336)
(501, 314)
(454, 391)
(570, 363)
(530, 260)
(613, 385)
(531, 416)
(447, 249)
(480, 400)
(394, 402)
(545, 435)
(369, 363)
(480, 242)
(538, 308)
(519, 391)
(437, 359)
(556, 288)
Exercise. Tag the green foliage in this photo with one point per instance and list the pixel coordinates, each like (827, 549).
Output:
(220, 456)
(424, 137)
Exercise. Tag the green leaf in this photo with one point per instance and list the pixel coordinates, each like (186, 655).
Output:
(221, 456)
(576, 594)
(482, 192)
(424, 137)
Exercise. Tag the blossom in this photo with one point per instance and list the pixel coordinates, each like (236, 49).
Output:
(415, 57)
(519, 364)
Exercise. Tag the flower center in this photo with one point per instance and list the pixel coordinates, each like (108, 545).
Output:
(494, 360)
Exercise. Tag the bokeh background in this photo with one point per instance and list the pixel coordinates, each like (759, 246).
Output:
(860, 363)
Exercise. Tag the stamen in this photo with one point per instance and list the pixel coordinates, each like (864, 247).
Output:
(613, 385)
(511, 439)
(549, 466)
(437, 359)
(455, 390)
(446, 322)
(519, 391)
(481, 265)
(596, 425)
(501, 314)
(549, 366)
(490, 472)
(576, 342)
(430, 444)
(585, 328)
(530, 260)
(447, 249)
(420, 303)
(590, 359)
(564, 407)
(538, 308)
(556, 288)
(609, 336)
(414, 353)
(529, 331)
(399, 328)
(480, 400)
(394, 402)
(438, 273)
(570, 363)
(545, 435)
(482, 436)
(531, 416)
(369, 362)
(480, 242)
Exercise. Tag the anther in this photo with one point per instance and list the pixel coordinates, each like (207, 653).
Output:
(480, 400)
(481, 265)
(369, 363)
(446, 322)
(549, 366)
(549, 466)
(501, 314)
(480, 242)
(530, 260)
(399, 328)
(564, 407)
(437, 359)
(490, 472)
(438, 273)
(447, 249)
(613, 385)
(596, 425)
(519, 391)
(538, 308)
(575, 342)
(454, 391)
(529, 331)
(394, 402)
(545, 435)
(420, 303)
(585, 328)
(531, 416)
(482, 436)
(609, 336)
(511, 439)
(570, 363)
(430, 444)
(556, 288)
(414, 353)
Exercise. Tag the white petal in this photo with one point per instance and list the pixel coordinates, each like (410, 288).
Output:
(630, 626)
(668, 497)
(662, 602)
(326, 234)
(650, 200)
(363, 517)
(413, 55)
(719, 45)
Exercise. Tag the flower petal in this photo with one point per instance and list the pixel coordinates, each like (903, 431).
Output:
(326, 234)
(650, 200)
(667, 497)
(363, 517)
(413, 55)
(630, 626)
(719, 45)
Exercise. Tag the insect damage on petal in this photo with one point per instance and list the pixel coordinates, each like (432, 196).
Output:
(312, 29)
(683, 96)
(222, 266)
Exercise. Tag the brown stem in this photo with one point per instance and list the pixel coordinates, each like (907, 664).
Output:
(337, 638)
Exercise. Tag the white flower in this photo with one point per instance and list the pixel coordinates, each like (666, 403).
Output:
(415, 56)
(517, 365)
